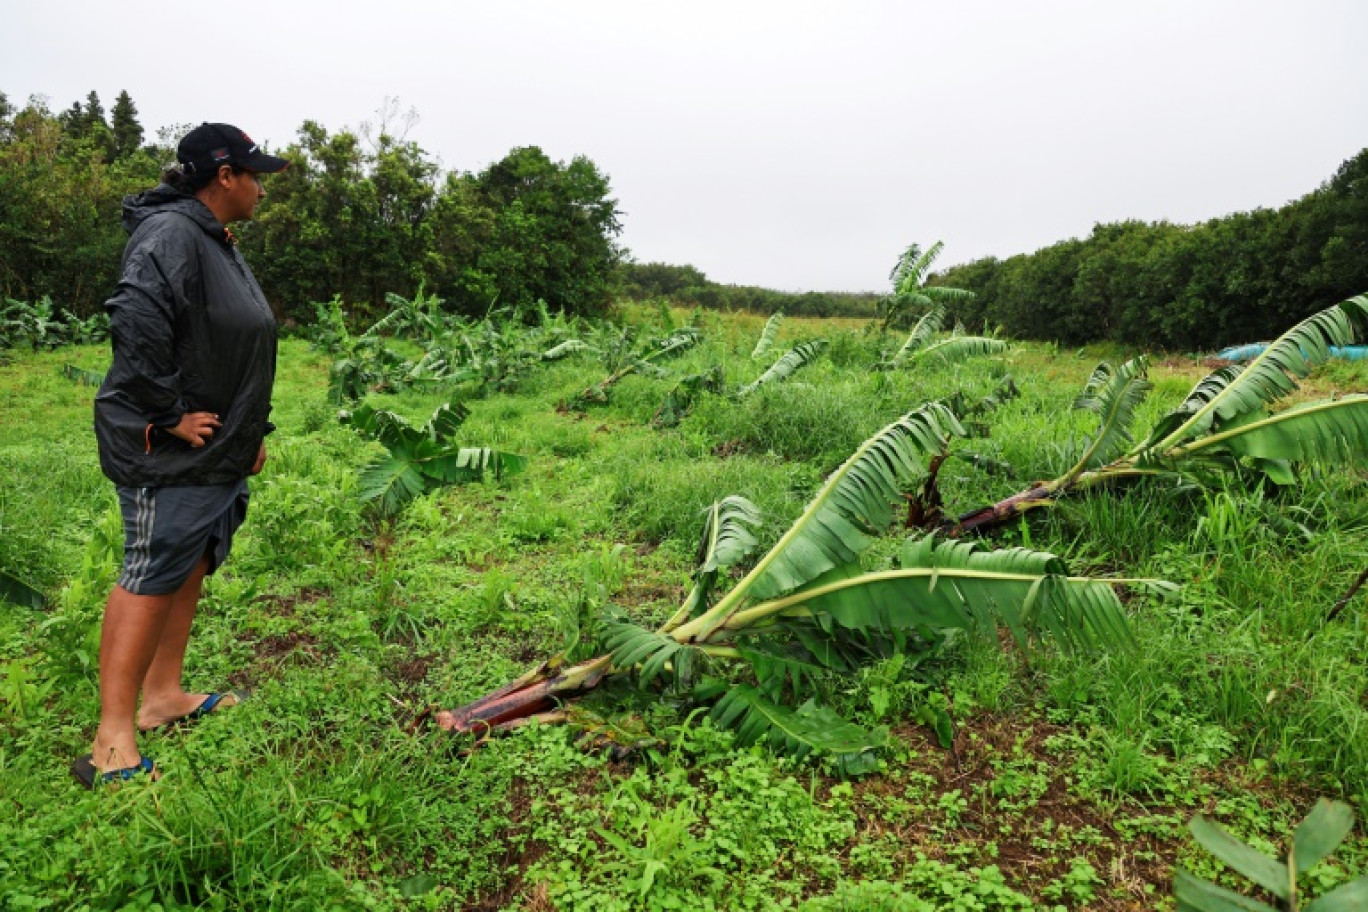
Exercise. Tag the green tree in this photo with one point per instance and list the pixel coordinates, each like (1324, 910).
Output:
(59, 211)
(553, 231)
(85, 126)
(1328, 253)
(128, 133)
(1228, 280)
(306, 241)
(400, 187)
(462, 225)
(73, 120)
(342, 220)
(94, 112)
(6, 118)
(659, 280)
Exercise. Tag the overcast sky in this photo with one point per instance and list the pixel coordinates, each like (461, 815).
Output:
(795, 145)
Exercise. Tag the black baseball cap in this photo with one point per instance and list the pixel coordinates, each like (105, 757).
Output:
(210, 145)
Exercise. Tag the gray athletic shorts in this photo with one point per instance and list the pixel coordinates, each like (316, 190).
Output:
(167, 530)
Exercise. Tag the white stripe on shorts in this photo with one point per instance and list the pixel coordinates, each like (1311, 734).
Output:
(143, 521)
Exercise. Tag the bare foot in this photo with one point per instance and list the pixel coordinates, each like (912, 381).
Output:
(115, 752)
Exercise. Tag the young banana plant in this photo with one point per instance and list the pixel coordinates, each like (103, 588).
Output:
(1314, 838)
(788, 364)
(421, 459)
(910, 290)
(1224, 422)
(806, 609)
(918, 346)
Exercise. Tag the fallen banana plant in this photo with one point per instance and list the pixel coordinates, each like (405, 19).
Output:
(1225, 424)
(806, 610)
(566, 349)
(679, 401)
(82, 376)
(643, 361)
(925, 507)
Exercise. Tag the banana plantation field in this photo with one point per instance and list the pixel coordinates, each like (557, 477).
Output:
(706, 612)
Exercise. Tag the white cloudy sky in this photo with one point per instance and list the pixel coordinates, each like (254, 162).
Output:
(797, 145)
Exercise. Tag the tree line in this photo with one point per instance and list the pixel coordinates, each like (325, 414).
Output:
(359, 214)
(688, 286)
(1239, 278)
(364, 213)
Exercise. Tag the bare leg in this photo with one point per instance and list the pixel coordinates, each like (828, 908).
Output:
(163, 696)
(132, 629)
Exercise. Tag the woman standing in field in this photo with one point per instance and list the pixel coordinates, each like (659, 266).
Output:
(181, 420)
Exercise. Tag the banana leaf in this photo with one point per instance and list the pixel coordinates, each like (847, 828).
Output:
(954, 586)
(801, 355)
(1326, 432)
(927, 326)
(799, 732)
(1113, 394)
(957, 348)
(725, 542)
(1228, 393)
(855, 502)
(768, 334)
(18, 592)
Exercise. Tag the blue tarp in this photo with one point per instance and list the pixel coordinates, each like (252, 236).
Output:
(1254, 349)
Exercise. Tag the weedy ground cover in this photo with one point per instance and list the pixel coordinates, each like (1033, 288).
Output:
(1067, 782)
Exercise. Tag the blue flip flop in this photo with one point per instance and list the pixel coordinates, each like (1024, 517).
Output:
(84, 771)
(211, 703)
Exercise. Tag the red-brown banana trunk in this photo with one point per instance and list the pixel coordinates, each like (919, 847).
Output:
(1001, 512)
(530, 695)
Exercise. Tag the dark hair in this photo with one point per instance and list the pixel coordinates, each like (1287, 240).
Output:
(176, 177)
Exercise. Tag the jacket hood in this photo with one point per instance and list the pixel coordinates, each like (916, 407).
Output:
(162, 198)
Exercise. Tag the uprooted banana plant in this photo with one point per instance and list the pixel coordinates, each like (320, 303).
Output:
(1224, 425)
(495, 354)
(419, 319)
(925, 506)
(421, 459)
(806, 610)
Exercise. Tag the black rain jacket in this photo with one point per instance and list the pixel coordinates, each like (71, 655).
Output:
(192, 332)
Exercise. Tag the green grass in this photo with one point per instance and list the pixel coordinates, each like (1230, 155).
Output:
(1067, 786)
